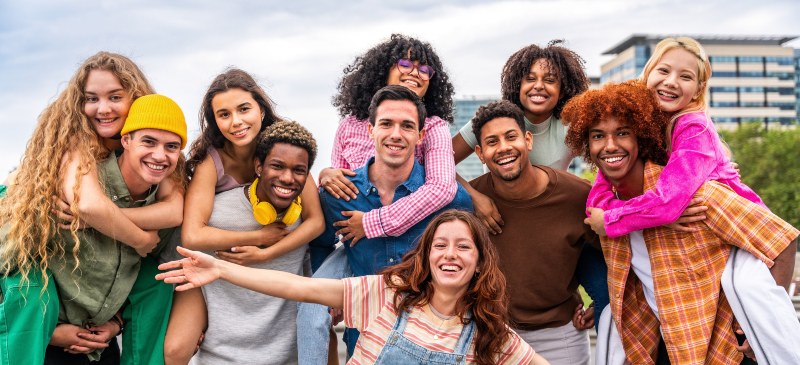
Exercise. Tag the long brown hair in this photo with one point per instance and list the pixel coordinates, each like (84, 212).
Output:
(210, 135)
(486, 297)
(63, 128)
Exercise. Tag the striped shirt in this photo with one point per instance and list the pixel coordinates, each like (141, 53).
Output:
(368, 307)
(695, 318)
(352, 149)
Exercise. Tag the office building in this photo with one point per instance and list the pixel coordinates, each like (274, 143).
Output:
(465, 109)
(754, 78)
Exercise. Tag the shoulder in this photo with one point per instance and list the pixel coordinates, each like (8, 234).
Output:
(480, 183)
(690, 120)
(435, 122)
(568, 179)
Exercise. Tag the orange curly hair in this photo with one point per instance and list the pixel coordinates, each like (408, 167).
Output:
(630, 102)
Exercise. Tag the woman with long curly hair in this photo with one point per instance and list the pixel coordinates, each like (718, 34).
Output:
(446, 301)
(234, 112)
(57, 187)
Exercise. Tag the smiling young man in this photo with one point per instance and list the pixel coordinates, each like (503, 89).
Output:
(542, 237)
(396, 122)
(92, 296)
(244, 326)
(670, 284)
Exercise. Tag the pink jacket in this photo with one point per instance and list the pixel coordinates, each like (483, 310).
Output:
(697, 155)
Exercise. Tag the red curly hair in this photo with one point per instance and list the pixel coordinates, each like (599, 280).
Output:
(486, 297)
(630, 102)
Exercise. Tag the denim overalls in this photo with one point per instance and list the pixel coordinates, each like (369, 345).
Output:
(401, 351)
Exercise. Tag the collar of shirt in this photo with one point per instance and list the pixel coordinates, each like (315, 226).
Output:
(415, 180)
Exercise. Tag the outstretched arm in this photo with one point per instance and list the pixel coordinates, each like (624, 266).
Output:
(199, 269)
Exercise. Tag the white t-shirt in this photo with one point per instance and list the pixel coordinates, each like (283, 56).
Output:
(640, 263)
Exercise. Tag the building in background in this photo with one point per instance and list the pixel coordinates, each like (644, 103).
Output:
(465, 109)
(755, 78)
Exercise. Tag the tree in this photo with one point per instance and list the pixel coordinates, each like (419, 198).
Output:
(770, 165)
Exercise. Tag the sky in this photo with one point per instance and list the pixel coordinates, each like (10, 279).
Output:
(298, 49)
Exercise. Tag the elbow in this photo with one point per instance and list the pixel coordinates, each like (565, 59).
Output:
(190, 239)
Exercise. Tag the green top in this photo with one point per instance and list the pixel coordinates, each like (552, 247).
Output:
(97, 289)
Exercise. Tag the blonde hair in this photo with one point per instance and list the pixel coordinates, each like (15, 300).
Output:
(63, 128)
(703, 68)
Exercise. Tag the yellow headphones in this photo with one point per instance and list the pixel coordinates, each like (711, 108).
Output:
(265, 213)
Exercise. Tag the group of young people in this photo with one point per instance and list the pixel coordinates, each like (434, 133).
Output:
(683, 260)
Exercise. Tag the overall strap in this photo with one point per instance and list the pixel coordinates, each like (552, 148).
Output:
(400, 324)
(465, 339)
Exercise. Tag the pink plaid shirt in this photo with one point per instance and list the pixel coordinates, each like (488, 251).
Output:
(353, 147)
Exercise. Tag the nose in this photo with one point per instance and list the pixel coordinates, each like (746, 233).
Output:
(450, 252)
(504, 145)
(103, 107)
(395, 132)
(670, 80)
(611, 144)
(285, 176)
(237, 119)
(159, 153)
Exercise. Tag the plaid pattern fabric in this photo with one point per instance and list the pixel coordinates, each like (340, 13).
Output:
(695, 318)
(352, 149)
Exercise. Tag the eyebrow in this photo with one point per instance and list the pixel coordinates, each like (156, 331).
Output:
(110, 92)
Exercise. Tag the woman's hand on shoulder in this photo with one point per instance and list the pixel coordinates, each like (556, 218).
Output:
(487, 212)
(335, 183)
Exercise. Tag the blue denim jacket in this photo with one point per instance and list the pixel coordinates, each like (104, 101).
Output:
(369, 256)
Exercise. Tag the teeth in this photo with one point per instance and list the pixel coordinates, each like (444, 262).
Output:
(506, 160)
(155, 167)
(106, 120)
(538, 98)
(394, 148)
(669, 95)
(412, 83)
(281, 190)
(450, 268)
(612, 159)
(241, 132)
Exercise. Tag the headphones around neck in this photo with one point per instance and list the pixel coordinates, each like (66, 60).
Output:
(265, 213)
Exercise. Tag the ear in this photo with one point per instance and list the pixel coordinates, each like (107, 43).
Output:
(700, 90)
(258, 166)
(126, 141)
(529, 140)
(421, 136)
(370, 128)
(479, 152)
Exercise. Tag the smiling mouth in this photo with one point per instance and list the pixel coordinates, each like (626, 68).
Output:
(240, 133)
(667, 94)
(538, 98)
(411, 82)
(106, 120)
(155, 167)
(506, 160)
(395, 148)
(450, 268)
(283, 191)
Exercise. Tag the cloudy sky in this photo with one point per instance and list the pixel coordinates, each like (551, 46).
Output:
(297, 49)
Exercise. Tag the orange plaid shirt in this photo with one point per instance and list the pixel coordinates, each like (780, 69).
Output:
(695, 318)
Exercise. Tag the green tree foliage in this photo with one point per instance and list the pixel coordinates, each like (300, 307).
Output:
(770, 165)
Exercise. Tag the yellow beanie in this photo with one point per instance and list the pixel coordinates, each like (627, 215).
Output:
(156, 112)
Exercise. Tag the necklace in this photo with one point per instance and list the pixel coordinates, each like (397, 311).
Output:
(441, 316)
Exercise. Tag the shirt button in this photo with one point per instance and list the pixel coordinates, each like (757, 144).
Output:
(105, 305)
(374, 190)
(391, 259)
(114, 198)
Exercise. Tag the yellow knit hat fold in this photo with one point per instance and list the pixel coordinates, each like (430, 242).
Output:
(156, 112)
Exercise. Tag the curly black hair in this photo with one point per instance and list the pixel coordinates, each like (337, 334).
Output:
(369, 72)
(289, 132)
(494, 110)
(566, 64)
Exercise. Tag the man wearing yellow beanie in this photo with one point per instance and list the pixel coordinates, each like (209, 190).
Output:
(109, 286)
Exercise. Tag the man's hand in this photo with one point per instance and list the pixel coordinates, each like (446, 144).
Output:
(596, 221)
(149, 243)
(744, 348)
(583, 319)
(352, 228)
(77, 340)
(693, 213)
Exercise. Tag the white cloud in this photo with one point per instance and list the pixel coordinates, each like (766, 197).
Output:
(298, 49)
